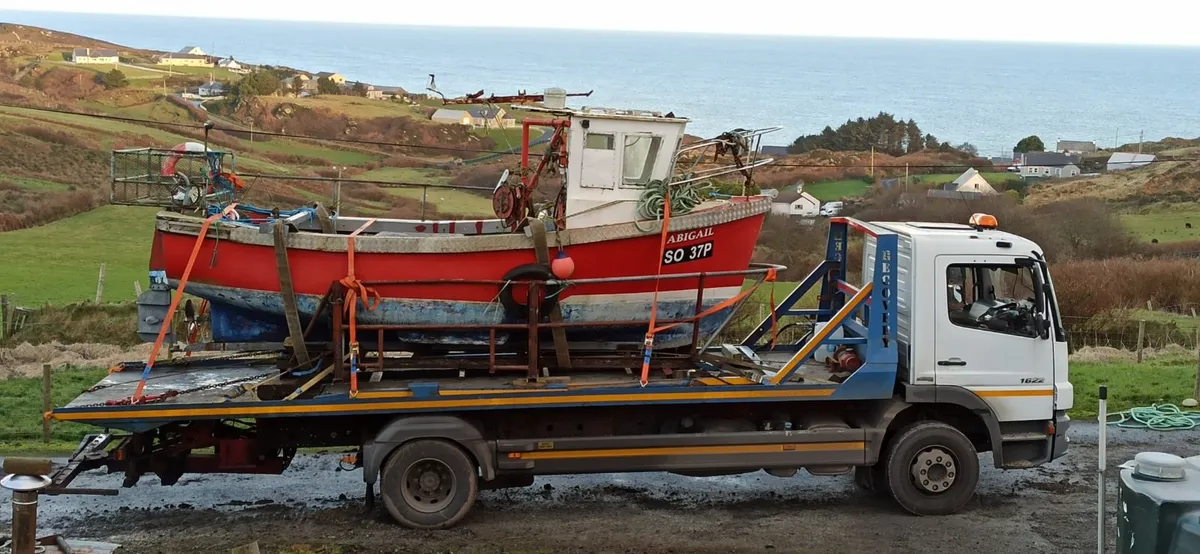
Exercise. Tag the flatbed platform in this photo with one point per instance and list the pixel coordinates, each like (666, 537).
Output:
(235, 390)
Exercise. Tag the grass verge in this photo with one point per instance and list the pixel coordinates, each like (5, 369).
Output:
(21, 403)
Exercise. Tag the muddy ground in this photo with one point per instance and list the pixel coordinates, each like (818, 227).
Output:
(313, 507)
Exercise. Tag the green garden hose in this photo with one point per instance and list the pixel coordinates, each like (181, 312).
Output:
(1158, 417)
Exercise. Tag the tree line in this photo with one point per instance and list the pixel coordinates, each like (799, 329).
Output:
(883, 133)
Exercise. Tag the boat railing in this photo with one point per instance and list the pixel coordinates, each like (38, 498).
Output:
(345, 333)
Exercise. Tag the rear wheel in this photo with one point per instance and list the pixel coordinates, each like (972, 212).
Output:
(932, 468)
(429, 484)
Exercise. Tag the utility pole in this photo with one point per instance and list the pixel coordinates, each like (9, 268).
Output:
(906, 177)
(872, 161)
(1141, 134)
(252, 131)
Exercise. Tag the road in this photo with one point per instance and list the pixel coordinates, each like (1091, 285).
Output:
(1048, 509)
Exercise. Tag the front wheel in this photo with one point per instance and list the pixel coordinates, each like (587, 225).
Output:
(429, 484)
(932, 468)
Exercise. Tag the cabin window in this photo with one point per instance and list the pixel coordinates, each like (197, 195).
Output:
(641, 151)
(598, 141)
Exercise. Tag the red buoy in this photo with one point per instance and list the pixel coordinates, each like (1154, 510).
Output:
(562, 266)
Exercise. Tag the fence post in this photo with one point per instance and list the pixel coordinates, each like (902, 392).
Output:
(1141, 337)
(1195, 399)
(5, 318)
(100, 285)
(45, 402)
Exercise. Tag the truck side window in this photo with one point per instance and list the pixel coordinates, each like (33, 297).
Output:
(992, 297)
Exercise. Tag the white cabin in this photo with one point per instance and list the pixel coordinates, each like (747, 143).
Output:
(613, 155)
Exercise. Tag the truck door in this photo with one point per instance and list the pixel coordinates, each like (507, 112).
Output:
(987, 336)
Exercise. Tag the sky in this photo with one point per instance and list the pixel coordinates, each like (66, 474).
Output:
(1147, 22)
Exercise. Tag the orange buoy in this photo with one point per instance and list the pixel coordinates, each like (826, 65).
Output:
(562, 266)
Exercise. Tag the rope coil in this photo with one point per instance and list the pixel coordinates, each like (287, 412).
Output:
(1157, 417)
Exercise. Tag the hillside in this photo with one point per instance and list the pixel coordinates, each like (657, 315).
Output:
(54, 165)
(1159, 182)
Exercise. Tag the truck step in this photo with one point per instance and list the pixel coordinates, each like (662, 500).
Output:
(1023, 437)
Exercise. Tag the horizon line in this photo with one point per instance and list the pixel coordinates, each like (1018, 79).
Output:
(1175, 45)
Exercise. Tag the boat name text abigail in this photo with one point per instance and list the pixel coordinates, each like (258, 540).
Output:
(690, 235)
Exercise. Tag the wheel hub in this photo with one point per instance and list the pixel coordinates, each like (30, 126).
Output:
(934, 469)
(428, 485)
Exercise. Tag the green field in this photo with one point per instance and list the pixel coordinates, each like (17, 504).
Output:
(401, 174)
(60, 262)
(836, 190)
(1165, 226)
(331, 155)
(449, 201)
(34, 184)
(219, 74)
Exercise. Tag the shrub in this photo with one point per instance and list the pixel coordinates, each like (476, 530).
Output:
(113, 79)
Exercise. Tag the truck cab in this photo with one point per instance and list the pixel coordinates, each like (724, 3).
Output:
(977, 313)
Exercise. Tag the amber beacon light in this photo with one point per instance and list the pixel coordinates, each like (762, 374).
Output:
(983, 221)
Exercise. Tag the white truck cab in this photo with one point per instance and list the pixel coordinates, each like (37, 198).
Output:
(976, 310)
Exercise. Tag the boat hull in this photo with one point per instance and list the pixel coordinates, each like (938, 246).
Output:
(236, 271)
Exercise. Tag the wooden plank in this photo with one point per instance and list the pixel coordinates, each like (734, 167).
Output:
(324, 220)
(542, 249)
(288, 293)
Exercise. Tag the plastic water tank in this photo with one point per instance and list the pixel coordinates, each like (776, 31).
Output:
(1158, 505)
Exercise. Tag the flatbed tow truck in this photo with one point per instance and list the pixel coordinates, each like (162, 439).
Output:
(949, 345)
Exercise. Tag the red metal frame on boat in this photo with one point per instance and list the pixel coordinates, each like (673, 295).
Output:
(529, 181)
(339, 294)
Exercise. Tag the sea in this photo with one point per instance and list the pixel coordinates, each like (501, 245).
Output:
(989, 94)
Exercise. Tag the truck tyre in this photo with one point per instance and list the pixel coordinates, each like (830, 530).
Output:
(932, 468)
(429, 484)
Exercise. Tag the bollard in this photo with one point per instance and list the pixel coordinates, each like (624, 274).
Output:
(26, 477)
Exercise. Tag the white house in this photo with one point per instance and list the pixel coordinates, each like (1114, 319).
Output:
(230, 64)
(1048, 165)
(212, 88)
(94, 56)
(193, 50)
(970, 186)
(446, 115)
(1121, 161)
(971, 181)
(801, 204)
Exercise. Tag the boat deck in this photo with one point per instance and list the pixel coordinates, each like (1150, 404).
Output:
(251, 389)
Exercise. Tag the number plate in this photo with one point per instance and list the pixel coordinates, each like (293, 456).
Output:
(688, 253)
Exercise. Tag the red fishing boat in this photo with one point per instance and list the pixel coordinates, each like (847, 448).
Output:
(600, 243)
